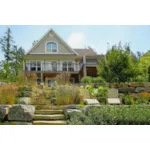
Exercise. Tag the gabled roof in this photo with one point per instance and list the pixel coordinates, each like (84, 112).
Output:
(51, 30)
(85, 52)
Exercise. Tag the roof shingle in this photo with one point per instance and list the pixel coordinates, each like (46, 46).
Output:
(85, 52)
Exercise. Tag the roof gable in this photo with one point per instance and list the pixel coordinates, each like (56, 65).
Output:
(63, 47)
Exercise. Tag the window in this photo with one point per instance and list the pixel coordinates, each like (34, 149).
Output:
(64, 66)
(70, 66)
(51, 47)
(35, 66)
(38, 66)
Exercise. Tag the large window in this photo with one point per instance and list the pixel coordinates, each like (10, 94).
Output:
(64, 66)
(35, 66)
(67, 66)
(70, 66)
(51, 47)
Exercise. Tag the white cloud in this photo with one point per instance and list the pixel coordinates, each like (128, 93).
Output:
(76, 40)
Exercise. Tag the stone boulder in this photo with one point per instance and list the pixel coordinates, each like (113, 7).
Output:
(3, 112)
(126, 90)
(88, 107)
(146, 84)
(72, 106)
(136, 84)
(142, 89)
(20, 112)
(69, 112)
(24, 100)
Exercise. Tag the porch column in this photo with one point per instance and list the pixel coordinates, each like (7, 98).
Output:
(41, 76)
(79, 77)
(84, 67)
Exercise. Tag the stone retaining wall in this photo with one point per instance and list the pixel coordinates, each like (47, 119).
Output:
(133, 87)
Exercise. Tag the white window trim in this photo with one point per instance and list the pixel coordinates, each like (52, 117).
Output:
(51, 52)
(29, 61)
(67, 63)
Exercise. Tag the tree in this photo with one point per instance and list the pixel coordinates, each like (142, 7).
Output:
(119, 64)
(35, 42)
(144, 64)
(10, 68)
(6, 45)
(17, 55)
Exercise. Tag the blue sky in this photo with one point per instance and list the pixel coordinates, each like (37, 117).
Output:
(96, 36)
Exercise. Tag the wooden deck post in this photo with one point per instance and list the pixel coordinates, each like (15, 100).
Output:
(41, 77)
(84, 66)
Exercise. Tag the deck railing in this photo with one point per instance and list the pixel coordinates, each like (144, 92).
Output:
(52, 67)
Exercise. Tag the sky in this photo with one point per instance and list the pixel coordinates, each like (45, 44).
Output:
(81, 36)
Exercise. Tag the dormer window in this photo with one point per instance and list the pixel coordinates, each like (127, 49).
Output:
(51, 47)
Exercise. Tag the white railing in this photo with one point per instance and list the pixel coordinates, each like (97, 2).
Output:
(52, 67)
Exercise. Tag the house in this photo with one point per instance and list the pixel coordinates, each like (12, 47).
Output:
(51, 55)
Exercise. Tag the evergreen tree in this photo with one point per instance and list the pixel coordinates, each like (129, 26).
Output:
(17, 55)
(6, 45)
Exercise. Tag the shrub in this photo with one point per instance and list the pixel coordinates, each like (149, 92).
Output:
(8, 94)
(113, 115)
(128, 100)
(98, 92)
(142, 100)
(98, 80)
(86, 80)
(24, 91)
(67, 95)
(26, 78)
(145, 95)
(63, 78)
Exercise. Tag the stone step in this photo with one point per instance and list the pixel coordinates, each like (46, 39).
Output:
(49, 112)
(39, 107)
(53, 122)
(49, 117)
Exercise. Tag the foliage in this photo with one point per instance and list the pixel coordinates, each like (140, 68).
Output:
(98, 80)
(8, 94)
(67, 95)
(63, 78)
(144, 64)
(35, 42)
(26, 78)
(24, 91)
(92, 80)
(119, 64)
(11, 66)
(141, 98)
(17, 59)
(98, 92)
(6, 45)
(86, 80)
(113, 115)
(128, 100)
(139, 78)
